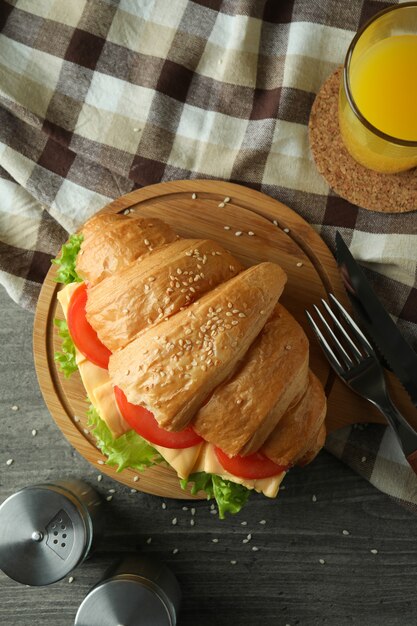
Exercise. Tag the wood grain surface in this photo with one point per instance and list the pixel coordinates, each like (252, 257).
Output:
(281, 583)
(196, 209)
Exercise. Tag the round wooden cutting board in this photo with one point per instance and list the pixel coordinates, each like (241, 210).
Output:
(197, 209)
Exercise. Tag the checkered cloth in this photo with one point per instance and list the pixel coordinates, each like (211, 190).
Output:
(100, 97)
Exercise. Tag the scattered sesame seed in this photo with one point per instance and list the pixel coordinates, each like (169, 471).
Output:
(249, 537)
(185, 508)
(215, 540)
(9, 461)
(192, 521)
(288, 347)
(146, 242)
(322, 561)
(76, 419)
(194, 196)
(227, 199)
(275, 222)
(238, 233)
(263, 521)
(242, 315)
(373, 551)
(314, 498)
(243, 523)
(164, 506)
(15, 407)
(221, 205)
(233, 562)
(255, 549)
(345, 532)
(100, 462)
(99, 478)
(213, 512)
(245, 540)
(146, 288)
(136, 478)
(86, 431)
(71, 579)
(126, 212)
(193, 511)
(34, 432)
(174, 521)
(251, 233)
(363, 459)
(299, 264)
(133, 491)
(286, 230)
(175, 551)
(212, 507)
(125, 311)
(136, 130)
(109, 498)
(149, 540)
(112, 490)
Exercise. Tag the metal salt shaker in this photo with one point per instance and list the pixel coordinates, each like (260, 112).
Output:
(47, 530)
(137, 591)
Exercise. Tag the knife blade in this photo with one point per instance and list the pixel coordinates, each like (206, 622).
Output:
(376, 321)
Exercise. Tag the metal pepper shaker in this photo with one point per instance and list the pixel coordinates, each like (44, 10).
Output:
(136, 591)
(47, 530)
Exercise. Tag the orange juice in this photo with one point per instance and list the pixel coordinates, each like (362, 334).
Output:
(384, 86)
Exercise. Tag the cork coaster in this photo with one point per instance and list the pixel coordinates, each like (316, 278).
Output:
(387, 193)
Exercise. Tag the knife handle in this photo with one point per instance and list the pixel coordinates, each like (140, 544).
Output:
(412, 459)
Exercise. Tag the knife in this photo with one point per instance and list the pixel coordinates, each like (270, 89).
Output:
(376, 322)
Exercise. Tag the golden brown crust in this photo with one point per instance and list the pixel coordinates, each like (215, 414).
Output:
(242, 412)
(297, 431)
(311, 454)
(112, 241)
(173, 367)
(151, 289)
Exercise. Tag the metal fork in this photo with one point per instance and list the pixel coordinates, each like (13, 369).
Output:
(353, 359)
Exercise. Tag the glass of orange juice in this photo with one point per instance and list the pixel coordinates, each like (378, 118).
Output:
(378, 92)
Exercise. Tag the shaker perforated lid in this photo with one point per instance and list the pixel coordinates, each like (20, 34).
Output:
(45, 532)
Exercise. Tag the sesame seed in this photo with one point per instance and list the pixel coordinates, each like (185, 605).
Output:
(232, 268)
(194, 196)
(213, 512)
(255, 549)
(163, 505)
(249, 537)
(175, 551)
(235, 323)
(15, 407)
(288, 347)
(227, 199)
(86, 431)
(34, 432)
(314, 498)
(229, 313)
(233, 562)
(245, 540)
(71, 579)
(179, 270)
(286, 230)
(99, 478)
(146, 288)
(226, 227)
(242, 315)
(238, 233)
(299, 264)
(109, 498)
(185, 508)
(192, 522)
(221, 205)
(151, 279)
(239, 401)
(149, 540)
(125, 311)
(243, 523)
(373, 551)
(146, 242)
(193, 511)
(174, 521)
(363, 459)
(135, 479)
(212, 507)
(112, 490)
(345, 532)
(261, 311)
(100, 462)
(76, 419)
(9, 461)
(251, 233)
(126, 212)
(133, 491)
(322, 561)
(263, 521)
(215, 540)
(275, 223)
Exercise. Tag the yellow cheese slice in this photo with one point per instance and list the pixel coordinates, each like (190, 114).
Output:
(185, 461)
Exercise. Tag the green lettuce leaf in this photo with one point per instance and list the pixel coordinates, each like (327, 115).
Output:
(66, 356)
(230, 497)
(129, 450)
(66, 272)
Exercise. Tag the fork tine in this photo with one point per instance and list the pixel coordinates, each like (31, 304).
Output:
(343, 355)
(331, 357)
(339, 326)
(357, 331)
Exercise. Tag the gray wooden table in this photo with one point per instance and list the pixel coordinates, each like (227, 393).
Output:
(281, 583)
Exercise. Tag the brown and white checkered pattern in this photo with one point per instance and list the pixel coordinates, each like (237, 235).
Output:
(99, 97)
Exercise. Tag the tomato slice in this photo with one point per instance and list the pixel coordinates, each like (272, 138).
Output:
(83, 334)
(144, 423)
(252, 466)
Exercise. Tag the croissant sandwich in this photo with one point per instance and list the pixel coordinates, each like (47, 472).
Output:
(187, 358)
